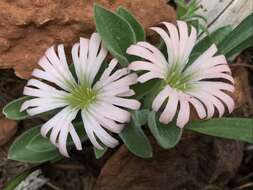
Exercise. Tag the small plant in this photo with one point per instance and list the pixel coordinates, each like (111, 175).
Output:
(188, 13)
(139, 89)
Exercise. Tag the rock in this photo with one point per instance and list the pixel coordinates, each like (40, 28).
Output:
(29, 27)
(8, 128)
(195, 164)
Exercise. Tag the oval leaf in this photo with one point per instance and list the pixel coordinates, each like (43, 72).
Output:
(40, 144)
(12, 109)
(167, 136)
(116, 33)
(230, 128)
(140, 117)
(136, 140)
(19, 152)
(136, 26)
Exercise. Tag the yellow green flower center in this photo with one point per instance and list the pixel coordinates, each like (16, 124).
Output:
(81, 97)
(178, 80)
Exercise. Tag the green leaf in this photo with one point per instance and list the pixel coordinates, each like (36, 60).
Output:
(152, 93)
(143, 89)
(167, 136)
(99, 153)
(136, 140)
(136, 26)
(40, 144)
(19, 152)
(242, 33)
(140, 117)
(244, 45)
(230, 128)
(116, 33)
(12, 109)
(13, 183)
(214, 38)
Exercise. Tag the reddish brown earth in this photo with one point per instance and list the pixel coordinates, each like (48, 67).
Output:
(29, 27)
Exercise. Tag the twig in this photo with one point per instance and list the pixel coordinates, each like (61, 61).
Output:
(244, 186)
(68, 166)
(52, 186)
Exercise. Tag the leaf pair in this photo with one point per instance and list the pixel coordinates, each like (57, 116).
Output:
(136, 140)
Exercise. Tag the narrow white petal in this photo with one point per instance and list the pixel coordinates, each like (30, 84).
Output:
(123, 102)
(184, 112)
(223, 97)
(218, 104)
(128, 93)
(84, 46)
(170, 109)
(75, 137)
(204, 99)
(145, 66)
(94, 45)
(89, 130)
(39, 84)
(200, 109)
(207, 55)
(150, 75)
(160, 98)
(145, 54)
(76, 62)
(109, 69)
(62, 56)
(63, 140)
(107, 123)
(170, 49)
(112, 112)
(216, 85)
(163, 64)
(98, 62)
(214, 76)
(189, 46)
(61, 71)
(50, 124)
(50, 78)
(105, 138)
(41, 102)
(127, 80)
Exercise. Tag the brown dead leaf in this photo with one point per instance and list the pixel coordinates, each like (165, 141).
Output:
(241, 94)
(195, 163)
(8, 128)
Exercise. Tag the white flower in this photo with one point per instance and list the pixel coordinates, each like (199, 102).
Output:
(100, 102)
(200, 84)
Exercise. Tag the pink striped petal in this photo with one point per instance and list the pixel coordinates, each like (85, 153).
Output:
(170, 109)
(160, 98)
(184, 112)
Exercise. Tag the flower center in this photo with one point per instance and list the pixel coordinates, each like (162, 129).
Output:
(178, 80)
(81, 97)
